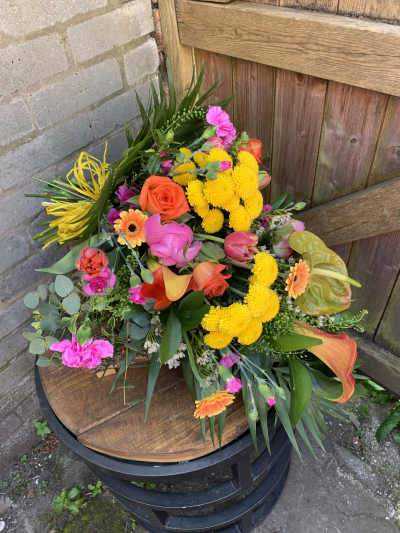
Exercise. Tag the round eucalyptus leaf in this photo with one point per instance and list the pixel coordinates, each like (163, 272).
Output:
(63, 285)
(72, 303)
(52, 287)
(56, 362)
(42, 292)
(31, 300)
(43, 361)
(37, 346)
(53, 299)
(50, 340)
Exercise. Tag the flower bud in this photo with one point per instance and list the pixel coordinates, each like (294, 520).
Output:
(207, 146)
(84, 333)
(147, 276)
(180, 157)
(224, 373)
(263, 180)
(252, 415)
(265, 390)
(135, 281)
(209, 132)
(214, 166)
(280, 392)
(299, 206)
(211, 176)
(170, 136)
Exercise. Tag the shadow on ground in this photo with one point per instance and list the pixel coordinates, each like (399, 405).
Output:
(352, 487)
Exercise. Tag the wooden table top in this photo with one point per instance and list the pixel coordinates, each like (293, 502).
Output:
(171, 432)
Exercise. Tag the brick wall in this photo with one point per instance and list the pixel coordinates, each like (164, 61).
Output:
(68, 74)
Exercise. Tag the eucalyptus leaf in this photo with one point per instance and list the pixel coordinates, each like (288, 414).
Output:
(55, 361)
(46, 309)
(37, 346)
(42, 292)
(30, 336)
(50, 323)
(72, 303)
(63, 285)
(43, 361)
(136, 332)
(134, 310)
(50, 340)
(31, 300)
(53, 299)
(142, 319)
(52, 287)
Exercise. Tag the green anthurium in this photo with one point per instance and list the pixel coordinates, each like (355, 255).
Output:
(328, 290)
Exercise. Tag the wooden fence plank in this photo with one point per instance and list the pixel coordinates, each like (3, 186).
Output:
(343, 250)
(372, 211)
(377, 277)
(376, 9)
(299, 107)
(213, 64)
(180, 57)
(352, 123)
(325, 6)
(388, 334)
(357, 52)
(387, 159)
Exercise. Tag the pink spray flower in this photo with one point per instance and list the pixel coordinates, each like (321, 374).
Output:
(218, 143)
(224, 165)
(229, 360)
(282, 250)
(267, 208)
(233, 385)
(167, 241)
(225, 129)
(104, 281)
(271, 401)
(90, 354)
(136, 296)
(113, 215)
(125, 193)
(165, 165)
(241, 246)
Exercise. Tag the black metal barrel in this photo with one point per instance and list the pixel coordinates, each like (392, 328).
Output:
(236, 505)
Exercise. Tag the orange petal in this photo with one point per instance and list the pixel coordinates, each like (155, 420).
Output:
(175, 285)
(338, 352)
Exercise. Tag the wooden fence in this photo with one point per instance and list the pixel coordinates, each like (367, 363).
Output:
(318, 82)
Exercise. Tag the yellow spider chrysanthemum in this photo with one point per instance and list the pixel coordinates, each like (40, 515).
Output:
(258, 300)
(265, 268)
(240, 220)
(211, 320)
(184, 179)
(254, 204)
(218, 192)
(201, 159)
(131, 224)
(273, 309)
(246, 181)
(217, 340)
(233, 204)
(252, 333)
(203, 209)
(213, 221)
(235, 319)
(194, 192)
(248, 159)
(73, 217)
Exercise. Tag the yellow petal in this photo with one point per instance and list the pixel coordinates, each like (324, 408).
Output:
(175, 285)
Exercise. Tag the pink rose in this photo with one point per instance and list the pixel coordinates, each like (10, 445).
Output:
(240, 246)
(90, 354)
(104, 281)
(136, 296)
(167, 241)
(233, 385)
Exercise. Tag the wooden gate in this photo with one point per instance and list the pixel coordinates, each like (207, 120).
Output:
(318, 82)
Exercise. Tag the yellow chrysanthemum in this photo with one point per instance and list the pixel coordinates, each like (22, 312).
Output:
(218, 154)
(211, 320)
(203, 209)
(246, 181)
(252, 332)
(258, 300)
(186, 151)
(248, 159)
(254, 204)
(213, 222)
(235, 319)
(194, 192)
(273, 308)
(265, 268)
(218, 192)
(233, 204)
(240, 220)
(201, 159)
(217, 340)
(184, 179)
(73, 217)
(253, 279)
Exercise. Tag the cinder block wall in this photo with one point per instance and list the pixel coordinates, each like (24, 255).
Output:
(68, 70)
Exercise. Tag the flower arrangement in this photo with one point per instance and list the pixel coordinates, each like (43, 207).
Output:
(177, 253)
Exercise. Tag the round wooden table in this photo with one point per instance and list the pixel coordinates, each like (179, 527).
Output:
(119, 448)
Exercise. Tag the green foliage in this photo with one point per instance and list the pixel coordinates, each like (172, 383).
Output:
(301, 390)
(391, 422)
(42, 429)
(172, 337)
(69, 500)
(31, 300)
(292, 342)
(96, 489)
(23, 459)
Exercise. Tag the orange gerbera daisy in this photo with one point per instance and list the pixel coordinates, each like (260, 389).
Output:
(213, 404)
(131, 224)
(298, 279)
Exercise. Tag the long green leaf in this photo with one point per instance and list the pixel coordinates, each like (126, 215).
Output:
(262, 408)
(188, 375)
(304, 436)
(202, 420)
(301, 390)
(387, 425)
(67, 263)
(247, 408)
(172, 337)
(155, 367)
(221, 423)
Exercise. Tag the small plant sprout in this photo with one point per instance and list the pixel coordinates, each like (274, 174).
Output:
(23, 459)
(96, 489)
(42, 429)
(42, 490)
(69, 500)
(133, 523)
(5, 483)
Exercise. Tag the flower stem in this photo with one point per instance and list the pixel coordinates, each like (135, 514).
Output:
(209, 237)
(239, 293)
(335, 275)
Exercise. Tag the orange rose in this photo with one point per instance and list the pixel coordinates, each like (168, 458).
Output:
(91, 261)
(160, 194)
(254, 147)
(208, 277)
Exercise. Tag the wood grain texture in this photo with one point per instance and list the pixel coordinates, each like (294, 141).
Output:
(324, 6)
(343, 250)
(299, 106)
(170, 434)
(357, 52)
(213, 65)
(372, 211)
(255, 84)
(387, 159)
(352, 123)
(180, 57)
(375, 263)
(388, 334)
(375, 9)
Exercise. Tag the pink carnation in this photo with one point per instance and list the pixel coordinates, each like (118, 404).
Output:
(90, 354)
(125, 193)
(233, 385)
(136, 296)
(271, 401)
(165, 165)
(224, 165)
(229, 360)
(104, 281)
(225, 129)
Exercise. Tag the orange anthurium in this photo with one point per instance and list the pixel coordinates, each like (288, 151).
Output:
(167, 287)
(338, 352)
